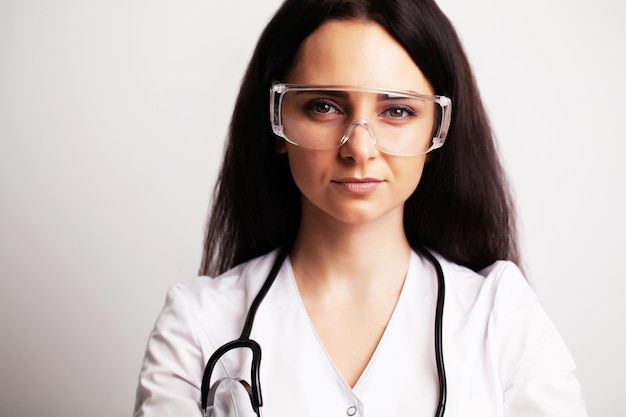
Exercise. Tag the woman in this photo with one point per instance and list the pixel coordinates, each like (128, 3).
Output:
(335, 161)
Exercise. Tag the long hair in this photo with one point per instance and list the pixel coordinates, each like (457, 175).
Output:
(461, 208)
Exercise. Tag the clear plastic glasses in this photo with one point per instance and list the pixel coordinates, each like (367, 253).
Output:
(399, 123)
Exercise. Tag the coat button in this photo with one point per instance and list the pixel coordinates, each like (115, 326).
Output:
(351, 411)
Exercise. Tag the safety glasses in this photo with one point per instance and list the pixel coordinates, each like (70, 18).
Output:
(325, 117)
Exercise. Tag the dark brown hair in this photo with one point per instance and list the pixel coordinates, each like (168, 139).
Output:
(462, 207)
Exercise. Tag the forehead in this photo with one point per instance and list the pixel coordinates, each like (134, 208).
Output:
(357, 53)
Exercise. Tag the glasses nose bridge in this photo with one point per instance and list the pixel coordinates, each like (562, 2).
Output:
(362, 122)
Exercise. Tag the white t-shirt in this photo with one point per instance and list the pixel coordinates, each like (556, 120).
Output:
(503, 356)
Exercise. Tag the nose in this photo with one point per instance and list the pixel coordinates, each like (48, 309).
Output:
(359, 142)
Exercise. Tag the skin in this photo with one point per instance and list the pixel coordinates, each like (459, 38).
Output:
(351, 254)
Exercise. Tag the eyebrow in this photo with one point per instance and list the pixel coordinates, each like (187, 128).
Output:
(333, 93)
(344, 94)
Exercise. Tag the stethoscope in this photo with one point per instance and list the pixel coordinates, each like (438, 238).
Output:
(244, 341)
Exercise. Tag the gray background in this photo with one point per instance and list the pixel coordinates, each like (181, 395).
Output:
(112, 119)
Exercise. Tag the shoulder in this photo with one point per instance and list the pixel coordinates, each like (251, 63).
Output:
(225, 296)
(239, 282)
(493, 274)
(498, 285)
(499, 306)
(199, 315)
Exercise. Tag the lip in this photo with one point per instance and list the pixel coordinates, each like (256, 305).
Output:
(358, 185)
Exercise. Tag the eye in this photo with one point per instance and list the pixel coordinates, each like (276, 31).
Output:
(321, 107)
(399, 112)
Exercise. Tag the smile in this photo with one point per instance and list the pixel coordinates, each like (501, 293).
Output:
(357, 185)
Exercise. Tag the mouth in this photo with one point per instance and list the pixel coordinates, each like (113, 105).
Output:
(357, 185)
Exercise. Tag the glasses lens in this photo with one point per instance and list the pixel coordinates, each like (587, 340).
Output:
(326, 119)
(230, 397)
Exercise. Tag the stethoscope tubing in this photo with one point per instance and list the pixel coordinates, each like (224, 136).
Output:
(245, 341)
(441, 296)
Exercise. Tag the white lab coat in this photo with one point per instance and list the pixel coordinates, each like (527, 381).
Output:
(502, 354)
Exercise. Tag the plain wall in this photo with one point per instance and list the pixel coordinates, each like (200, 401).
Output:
(112, 120)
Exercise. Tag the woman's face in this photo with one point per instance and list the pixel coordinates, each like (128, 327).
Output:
(355, 183)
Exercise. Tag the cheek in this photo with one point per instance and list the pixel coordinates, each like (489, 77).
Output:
(410, 172)
(307, 167)
(297, 173)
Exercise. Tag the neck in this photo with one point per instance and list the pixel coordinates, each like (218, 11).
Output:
(364, 258)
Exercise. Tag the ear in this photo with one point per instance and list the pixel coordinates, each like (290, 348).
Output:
(280, 146)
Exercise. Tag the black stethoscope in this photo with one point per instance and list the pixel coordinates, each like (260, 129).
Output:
(244, 341)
